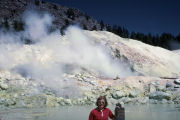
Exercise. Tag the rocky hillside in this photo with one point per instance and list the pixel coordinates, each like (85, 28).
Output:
(145, 59)
(32, 80)
(11, 12)
(76, 67)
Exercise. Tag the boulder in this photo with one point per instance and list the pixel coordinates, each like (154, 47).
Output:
(67, 101)
(164, 101)
(176, 98)
(60, 101)
(177, 81)
(134, 93)
(168, 85)
(126, 100)
(118, 94)
(3, 86)
(161, 88)
(152, 101)
(152, 88)
(158, 95)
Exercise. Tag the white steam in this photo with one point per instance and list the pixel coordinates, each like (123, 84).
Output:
(51, 54)
(85, 53)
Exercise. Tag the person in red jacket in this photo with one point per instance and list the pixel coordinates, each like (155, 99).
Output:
(101, 112)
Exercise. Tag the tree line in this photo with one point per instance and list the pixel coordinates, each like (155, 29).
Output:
(162, 40)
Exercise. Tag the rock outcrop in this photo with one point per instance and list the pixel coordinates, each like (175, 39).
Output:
(11, 12)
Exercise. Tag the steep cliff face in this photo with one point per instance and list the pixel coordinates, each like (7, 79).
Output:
(11, 11)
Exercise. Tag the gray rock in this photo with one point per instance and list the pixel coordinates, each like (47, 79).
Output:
(176, 99)
(152, 88)
(170, 102)
(168, 85)
(90, 97)
(177, 81)
(126, 100)
(152, 101)
(156, 83)
(160, 95)
(112, 101)
(9, 102)
(143, 100)
(63, 101)
(118, 94)
(176, 86)
(3, 86)
(67, 102)
(80, 101)
(161, 88)
(164, 101)
(134, 93)
(2, 101)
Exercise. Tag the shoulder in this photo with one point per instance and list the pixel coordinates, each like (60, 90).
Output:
(93, 110)
(107, 109)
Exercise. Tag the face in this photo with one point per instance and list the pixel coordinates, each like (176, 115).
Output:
(101, 104)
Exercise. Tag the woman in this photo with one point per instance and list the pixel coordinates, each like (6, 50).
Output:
(101, 112)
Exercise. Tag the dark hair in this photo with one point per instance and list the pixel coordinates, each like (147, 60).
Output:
(100, 98)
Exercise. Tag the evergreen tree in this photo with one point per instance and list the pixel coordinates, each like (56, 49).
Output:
(133, 35)
(18, 25)
(154, 41)
(140, 36)
(43, 2)
(119, 31)
(66, 22)
(6, 24)
(87, 17)
(94, 27)
(125, 33)
(70, 13)
(108, 28)
(165, 39)
(157, 40)
(178, 37)
(84, 27)
(55, 7)
(102, 25)
(149, 39)
(114, 29)
(145, 37)
(37, 2)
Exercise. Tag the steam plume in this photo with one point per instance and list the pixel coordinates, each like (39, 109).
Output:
(47, 59)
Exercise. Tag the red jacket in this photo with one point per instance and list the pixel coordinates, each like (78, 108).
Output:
(96, 114)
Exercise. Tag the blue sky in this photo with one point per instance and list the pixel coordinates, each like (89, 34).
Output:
(154, 16)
